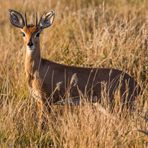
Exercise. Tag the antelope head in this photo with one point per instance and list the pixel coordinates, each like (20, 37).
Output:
(31, 32)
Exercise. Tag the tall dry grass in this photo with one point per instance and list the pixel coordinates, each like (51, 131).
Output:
(88, 33)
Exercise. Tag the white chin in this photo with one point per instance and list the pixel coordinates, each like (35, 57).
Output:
(30, 49)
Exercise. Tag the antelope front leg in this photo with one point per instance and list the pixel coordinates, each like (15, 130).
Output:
(40, 110)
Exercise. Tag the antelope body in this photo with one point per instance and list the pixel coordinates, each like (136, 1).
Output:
(49, 81)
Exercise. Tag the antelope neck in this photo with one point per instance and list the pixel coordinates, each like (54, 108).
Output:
(32, 61)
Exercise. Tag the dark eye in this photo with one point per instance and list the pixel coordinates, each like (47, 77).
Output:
(23, 34)
(37, 34)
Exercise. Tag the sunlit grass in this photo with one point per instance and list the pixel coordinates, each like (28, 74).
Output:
(87, 33)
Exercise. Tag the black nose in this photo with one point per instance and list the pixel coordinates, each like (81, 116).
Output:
(30, 43)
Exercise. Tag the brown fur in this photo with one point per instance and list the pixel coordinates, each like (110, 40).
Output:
(43, 77)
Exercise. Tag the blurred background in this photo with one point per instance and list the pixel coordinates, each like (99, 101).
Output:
(87, 33)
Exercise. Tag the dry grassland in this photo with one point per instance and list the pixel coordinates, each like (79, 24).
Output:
(87, 33)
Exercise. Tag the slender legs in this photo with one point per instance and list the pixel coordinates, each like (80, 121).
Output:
(39, 114)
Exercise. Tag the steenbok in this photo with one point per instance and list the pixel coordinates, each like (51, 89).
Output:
(49, 81)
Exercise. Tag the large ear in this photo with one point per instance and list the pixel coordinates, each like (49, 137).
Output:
(46, 20)
(16, 19)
